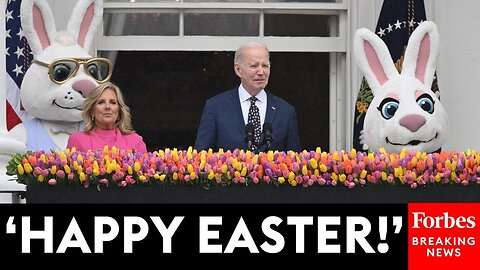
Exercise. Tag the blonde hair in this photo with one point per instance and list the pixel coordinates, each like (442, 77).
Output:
(124, 123)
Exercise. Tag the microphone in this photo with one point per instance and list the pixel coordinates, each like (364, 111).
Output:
(267, 132)
(249, 134)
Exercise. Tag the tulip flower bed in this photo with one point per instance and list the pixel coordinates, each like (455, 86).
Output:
(190, 176)
(113, 167)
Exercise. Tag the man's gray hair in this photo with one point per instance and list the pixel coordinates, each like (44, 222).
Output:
(251, 44)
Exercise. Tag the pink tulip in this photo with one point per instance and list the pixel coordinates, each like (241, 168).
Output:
(103, 181)
(122, 184)
(60, 174)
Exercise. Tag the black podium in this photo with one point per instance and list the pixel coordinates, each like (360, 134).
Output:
(42, 193)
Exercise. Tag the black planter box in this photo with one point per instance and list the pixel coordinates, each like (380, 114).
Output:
(42, 193)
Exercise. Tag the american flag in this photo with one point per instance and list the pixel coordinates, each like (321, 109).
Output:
(19, 57)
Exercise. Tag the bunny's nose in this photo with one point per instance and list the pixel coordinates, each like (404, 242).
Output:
(413, 122)
(83, 87)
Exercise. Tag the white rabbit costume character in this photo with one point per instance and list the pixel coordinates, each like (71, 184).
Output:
(405, 112)
(62, 72)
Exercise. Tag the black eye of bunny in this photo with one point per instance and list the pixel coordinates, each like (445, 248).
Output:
(426, 102)
(94, 71)
(61, 72)
(388, 107)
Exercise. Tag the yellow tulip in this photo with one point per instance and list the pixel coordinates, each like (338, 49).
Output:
(363, 174)
(255, 159)
(323, 168)
(353, 153)
(244, 171)
(66, 168)
(438, 177)
(224, 168)
(53, 170)
(313, 163)
(190, 168)
(414, 161)
(28, 167)
(20, 169)
(82, 177)
(175, 155)
(453, 166)
(304, 170)
(270, 156)
(291, 176)
(136, 166)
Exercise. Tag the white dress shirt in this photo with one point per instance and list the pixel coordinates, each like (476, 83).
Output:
(261, 103)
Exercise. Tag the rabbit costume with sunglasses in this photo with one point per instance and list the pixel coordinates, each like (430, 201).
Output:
(62, 73)
(404, 112)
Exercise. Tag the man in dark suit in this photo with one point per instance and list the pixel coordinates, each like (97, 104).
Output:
(226, 117)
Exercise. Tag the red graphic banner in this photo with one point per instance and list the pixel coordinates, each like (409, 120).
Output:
(443, 235)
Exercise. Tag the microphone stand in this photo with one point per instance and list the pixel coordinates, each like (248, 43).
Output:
(268, 137)
(249, 135)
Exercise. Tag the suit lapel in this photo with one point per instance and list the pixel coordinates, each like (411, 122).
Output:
(270, 113)
(236, 110)
(271, 110)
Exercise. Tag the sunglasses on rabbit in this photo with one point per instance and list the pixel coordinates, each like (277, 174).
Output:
(62, 69)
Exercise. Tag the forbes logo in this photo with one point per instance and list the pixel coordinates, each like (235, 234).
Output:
(445, 221)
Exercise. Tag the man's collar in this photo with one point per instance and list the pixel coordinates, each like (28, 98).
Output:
(244, 95)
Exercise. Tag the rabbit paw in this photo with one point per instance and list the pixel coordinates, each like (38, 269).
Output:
(362, 141)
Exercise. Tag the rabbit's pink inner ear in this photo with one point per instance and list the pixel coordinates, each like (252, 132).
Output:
(374, 63)
(39, 26)
(87, 21)
(422, 60)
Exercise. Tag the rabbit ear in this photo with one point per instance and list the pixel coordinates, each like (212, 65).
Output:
(38, 24)
(373, 58)
(421, 53)
(83, 24)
